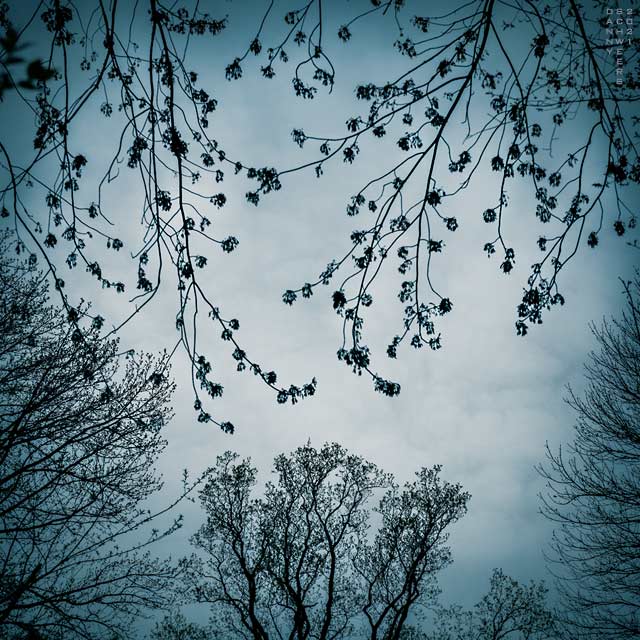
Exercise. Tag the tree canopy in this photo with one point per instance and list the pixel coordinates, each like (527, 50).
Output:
(80, 433)
(508, 610)
(524, 97)
(300, 561)
(594, 486)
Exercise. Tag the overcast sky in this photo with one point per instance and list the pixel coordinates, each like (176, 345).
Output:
(483, 406)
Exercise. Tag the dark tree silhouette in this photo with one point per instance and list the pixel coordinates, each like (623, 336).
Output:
(509, 610)
(301, 562)
(526, 98)
(80, 431)
(594, 487)
(176, 627)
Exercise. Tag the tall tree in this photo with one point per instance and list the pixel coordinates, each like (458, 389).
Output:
(527, 99)
(301, 563)
(80, 432)
(594, 486)
(508, 611)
